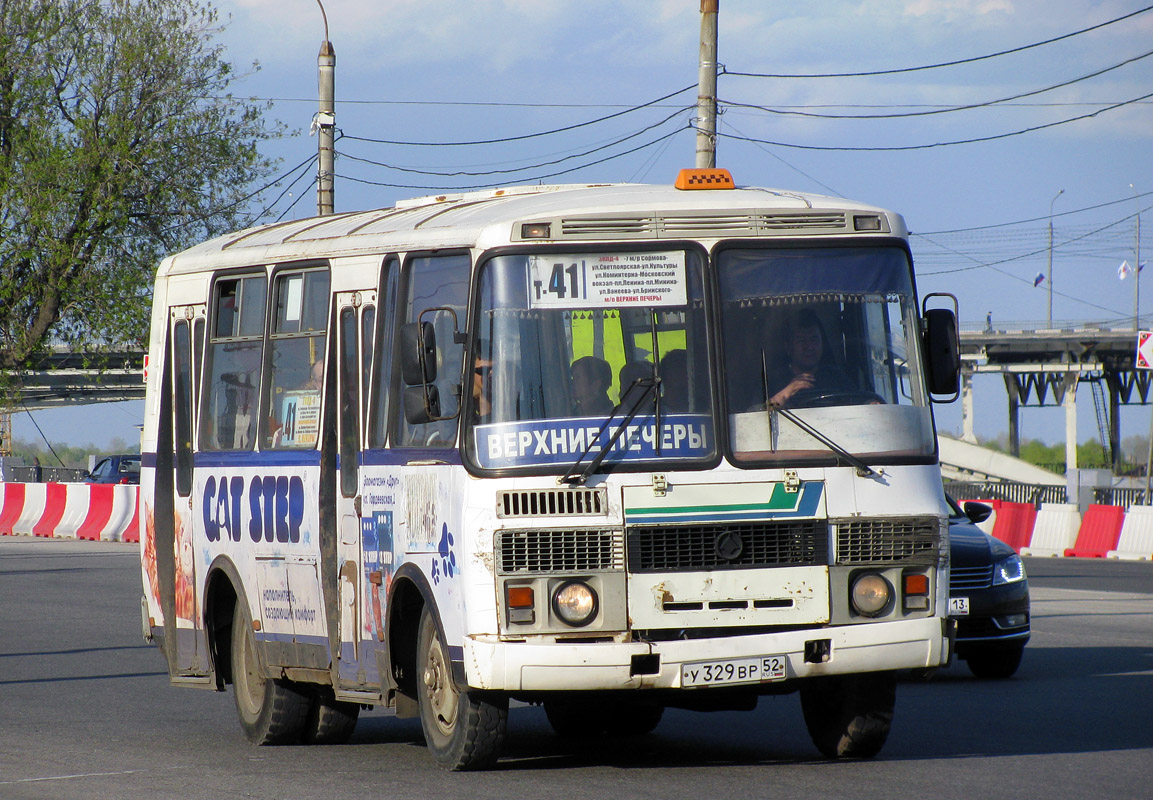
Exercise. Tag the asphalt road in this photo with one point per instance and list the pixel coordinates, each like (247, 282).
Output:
(86, 712)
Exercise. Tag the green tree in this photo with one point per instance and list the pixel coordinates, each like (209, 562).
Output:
(119, 143)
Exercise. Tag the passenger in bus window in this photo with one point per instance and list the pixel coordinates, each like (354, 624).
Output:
(808, 369)
(482, 390)
(675, 380)
(591, 378)
(630, 373)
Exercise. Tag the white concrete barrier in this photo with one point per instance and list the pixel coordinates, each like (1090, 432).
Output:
(1136, 542)
(1054, 531)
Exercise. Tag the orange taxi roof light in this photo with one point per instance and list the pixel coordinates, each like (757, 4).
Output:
(696, 179)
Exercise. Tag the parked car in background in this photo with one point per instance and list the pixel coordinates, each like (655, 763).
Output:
(115, 469)
(988, 595)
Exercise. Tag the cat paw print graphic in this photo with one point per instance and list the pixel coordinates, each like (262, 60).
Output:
(446, 563)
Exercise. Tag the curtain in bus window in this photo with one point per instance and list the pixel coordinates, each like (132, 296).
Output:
(296, 375)
(229, 399)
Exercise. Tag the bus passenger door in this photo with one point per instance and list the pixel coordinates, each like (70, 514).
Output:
(358, 557)
(186, 337)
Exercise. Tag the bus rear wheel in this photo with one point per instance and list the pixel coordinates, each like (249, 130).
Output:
(464, 730)
(330, 721)
(849, 716)
(270, 711)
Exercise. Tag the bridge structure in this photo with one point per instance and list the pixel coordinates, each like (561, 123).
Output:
(1041, 365)
(1044, 364)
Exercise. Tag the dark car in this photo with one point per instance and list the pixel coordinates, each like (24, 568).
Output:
(115, 469)
(988, 595)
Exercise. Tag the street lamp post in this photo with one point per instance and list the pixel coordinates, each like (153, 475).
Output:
(1054, 200)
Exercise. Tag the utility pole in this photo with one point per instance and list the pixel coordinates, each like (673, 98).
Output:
(1054, 200)
(707, 91)
(1136, 267)
(325, 122)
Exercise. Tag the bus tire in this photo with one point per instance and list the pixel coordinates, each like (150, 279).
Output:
(575, 719)
(270, 711)
(330, 721)
(849, 716)
(633, 719)
(463, 730)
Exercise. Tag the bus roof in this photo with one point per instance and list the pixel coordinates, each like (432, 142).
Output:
(577, 213)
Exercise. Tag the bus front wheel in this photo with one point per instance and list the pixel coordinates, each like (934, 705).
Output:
(464, 730)
(849, 716)
(270, 711)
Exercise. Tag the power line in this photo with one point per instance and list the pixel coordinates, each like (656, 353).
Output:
(974, 140)
(945, 109)
(658, 140)
(1038, 219)
(462, 173)
(939, 65)
(526, 135)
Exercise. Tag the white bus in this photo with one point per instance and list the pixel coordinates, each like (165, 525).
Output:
(606, 448)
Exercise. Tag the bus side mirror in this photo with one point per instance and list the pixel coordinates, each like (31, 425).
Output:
(421, 404)
(417, 353)
(942, 354)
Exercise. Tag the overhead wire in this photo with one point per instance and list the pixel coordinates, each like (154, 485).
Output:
(522, 137)
(512, 170)
(636, 149)
(940, 65)
(946, 109)
(900, 148)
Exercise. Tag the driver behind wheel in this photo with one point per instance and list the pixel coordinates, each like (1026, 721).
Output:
(808, 369)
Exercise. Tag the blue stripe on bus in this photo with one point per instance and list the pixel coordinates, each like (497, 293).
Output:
(311, 458)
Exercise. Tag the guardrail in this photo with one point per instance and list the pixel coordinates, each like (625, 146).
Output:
(98, 511)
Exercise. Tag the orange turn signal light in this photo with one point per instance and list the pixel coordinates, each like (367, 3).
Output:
(916, 584)
(520, 597)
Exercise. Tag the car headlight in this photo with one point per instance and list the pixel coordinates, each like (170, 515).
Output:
(870, 594)
(1009, 570)
(575, 603)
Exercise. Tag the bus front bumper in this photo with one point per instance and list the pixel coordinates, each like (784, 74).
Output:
(557, 666)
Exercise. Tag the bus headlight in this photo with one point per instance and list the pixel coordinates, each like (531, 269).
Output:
(870, 594)
(575, 603)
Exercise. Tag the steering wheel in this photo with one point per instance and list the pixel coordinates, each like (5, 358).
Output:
(817, 398)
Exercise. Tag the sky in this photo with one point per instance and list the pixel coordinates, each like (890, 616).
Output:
(980, 157)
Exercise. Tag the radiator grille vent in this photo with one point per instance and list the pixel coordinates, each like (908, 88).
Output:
(670, 226)
(548, 551)
(551, 503)
(965, 578)
(888, 541)
(746, 545)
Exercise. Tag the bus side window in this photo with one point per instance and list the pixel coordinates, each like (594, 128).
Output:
(228, 407)
(297, 342)
(381, 399)
(438, 282)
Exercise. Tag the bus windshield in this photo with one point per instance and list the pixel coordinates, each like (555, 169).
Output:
(824, 338)
(568, 344)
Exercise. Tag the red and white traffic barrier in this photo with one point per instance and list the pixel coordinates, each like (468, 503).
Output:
(99, 512)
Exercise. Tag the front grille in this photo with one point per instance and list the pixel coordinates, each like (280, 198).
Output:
(551, 503)
(548, 551)
(965, 578)
(746, 545)
(888, 541)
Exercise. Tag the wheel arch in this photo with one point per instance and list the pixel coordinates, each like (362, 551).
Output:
(223, 589)
(409, 595)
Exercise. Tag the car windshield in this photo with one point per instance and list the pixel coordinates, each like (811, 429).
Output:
(829, 334)
(562, 340)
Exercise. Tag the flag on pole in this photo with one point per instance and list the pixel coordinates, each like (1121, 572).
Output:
(1039, 279)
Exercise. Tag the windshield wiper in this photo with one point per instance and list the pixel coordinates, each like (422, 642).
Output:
(863, 469)
(571, 476)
